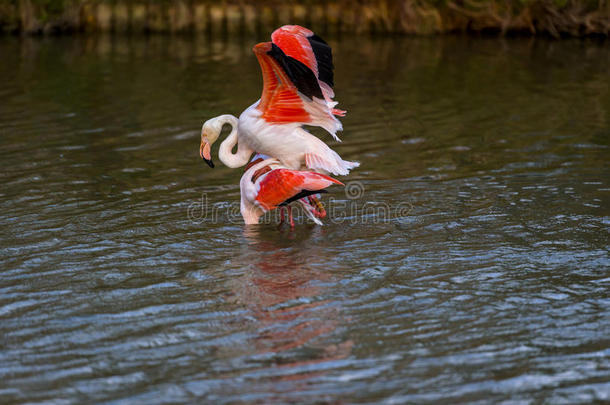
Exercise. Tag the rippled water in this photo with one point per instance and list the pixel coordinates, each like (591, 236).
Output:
(468, 261)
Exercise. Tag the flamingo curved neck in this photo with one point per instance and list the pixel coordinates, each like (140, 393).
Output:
(225, 154)
(250, 214)
(249, 211)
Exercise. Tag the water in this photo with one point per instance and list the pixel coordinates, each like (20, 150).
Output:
(468, 261)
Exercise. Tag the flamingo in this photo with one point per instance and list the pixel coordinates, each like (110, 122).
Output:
(268, 184)
(297, 90)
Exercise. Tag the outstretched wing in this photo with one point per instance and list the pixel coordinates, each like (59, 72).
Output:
(305, 46)
(292, 92)
(283, 79)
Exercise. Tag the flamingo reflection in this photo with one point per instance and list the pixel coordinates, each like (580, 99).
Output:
(283, 288)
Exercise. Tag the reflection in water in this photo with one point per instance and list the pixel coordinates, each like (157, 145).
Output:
(283, 290)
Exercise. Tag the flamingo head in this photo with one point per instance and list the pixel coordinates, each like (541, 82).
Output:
(210, 131)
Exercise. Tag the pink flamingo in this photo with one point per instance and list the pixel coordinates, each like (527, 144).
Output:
(297, 90)
(267, 185)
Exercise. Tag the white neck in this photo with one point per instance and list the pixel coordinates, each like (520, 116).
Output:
(249, 211)
(225, 153)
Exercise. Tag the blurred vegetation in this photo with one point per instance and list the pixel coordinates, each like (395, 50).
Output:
(421, 17)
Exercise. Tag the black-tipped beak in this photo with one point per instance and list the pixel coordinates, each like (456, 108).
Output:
(205, 153)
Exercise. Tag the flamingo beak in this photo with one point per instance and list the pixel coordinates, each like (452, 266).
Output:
(205, 153)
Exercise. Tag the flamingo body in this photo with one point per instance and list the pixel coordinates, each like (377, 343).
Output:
(297, 74)
(279, 141)
(276, 187)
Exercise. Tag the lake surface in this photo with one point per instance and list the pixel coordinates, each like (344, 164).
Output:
(467, 259)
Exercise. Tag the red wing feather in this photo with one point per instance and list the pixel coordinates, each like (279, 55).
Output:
(277, 186)
(292, 39)
(302, 44)
(297, 80)
(280, 185)
(280, 101)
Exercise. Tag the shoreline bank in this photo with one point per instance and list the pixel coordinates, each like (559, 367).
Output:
(555, 18)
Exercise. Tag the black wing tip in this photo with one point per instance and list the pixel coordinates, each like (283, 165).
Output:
(324, 58)
(302, 76)
(302, 194)
(276, 51)
(317, 38)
